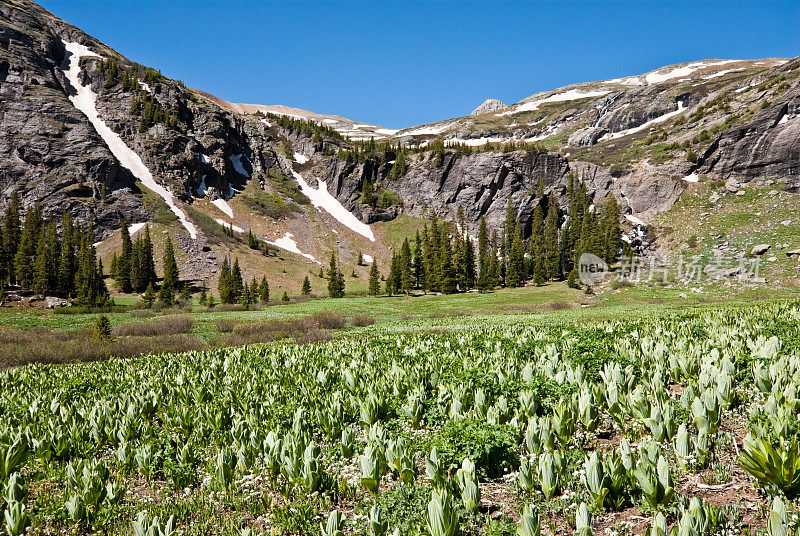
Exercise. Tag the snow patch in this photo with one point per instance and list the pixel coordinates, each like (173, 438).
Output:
(136, 227)
(691, 178)
(205, 158)
(634, 220)
(426, 131)
(229, 225)
(572, 94)
(367, 258)
(659, 119)
(223, 206)
(679, 72)
(84, 99)
(321, 198)
(145, 86)
(201, 188)
(300, 158)
(287, 242)
(386, 131)
(721, 73)
(236, 160)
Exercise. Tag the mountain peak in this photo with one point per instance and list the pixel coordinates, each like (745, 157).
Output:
(488, 106)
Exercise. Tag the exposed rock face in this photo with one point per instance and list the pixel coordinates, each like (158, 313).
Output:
(488, 106)
(767, 146)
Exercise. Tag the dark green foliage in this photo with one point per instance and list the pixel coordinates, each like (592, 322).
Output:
(102, 328)
(306, 290)
(335, 279)
(263, 290)
(230, 284)
(573, 280)
(374, 279)
(492, 447)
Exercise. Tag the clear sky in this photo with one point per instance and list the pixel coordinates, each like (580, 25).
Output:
(400, 64)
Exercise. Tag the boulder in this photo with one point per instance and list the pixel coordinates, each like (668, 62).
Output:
(714, 198)
(732, 185)
(51, 302)
(488, 106)
(795, 253)
(759, 249)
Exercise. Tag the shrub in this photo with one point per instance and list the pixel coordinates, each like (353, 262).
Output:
(389, 198)
(329, 319)
(302, 330)
(573, 280)
(167, 325)
(225, 325)
(492, 447)
(102, 328)
(362, 320)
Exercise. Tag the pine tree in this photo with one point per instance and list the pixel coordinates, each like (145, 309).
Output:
(29, 240)
(418, 267)
(225, 286)
(122, 272)
(515, 274)
(374, 279)
(484, 260)
(11, 236)
(360, 261)
(66, 265)
(335, 279)
(404, 260)
(149, 296)
(306, 290)
(203, 300)
(166, 294)
(45, 276)
(612, 234)
(147, 260)
(551, 248)
(285, 297)
(263, 290)
(469, 263)
(236, 281)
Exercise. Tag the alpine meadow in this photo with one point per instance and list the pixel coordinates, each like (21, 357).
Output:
(575, 314)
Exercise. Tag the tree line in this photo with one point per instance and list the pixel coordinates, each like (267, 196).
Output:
(37, 256)
(443, 258)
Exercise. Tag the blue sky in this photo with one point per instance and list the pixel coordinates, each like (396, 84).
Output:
(406, 63)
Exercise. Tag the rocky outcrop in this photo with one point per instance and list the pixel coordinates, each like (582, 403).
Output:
(488, 106)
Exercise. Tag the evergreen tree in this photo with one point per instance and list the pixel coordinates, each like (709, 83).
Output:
(122, 271)
(263, 290)
(335, 279)
(484, 259)
(612, 234)
(306, 290)
(147, 260)
(469, 263)
(203, 296)
(374, 279)
(149, 296)
(26, 253)
(418, 267)
(551, 247)
(66, 265)
(3, 263)
(166, 294)
(226, 286)
(393, 280)
(515, 272)
(405, 268)
(11, 236)
(236, 281)
(360, 261)
(46, 265)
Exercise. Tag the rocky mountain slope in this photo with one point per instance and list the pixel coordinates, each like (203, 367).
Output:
(284, 174)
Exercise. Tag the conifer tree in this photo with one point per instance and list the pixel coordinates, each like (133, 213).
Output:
(122, 271)
(263, 290)
(612, 234)
(203, 300)
(515, 271)
(46, 265)
(236, 281)
(551, 248)
(149, 296)
(360, 261)
(306, 290)
(66, 264)
(418, 267)
(374, 279)
(405, 275)
(484, 260)
(29, 240)
(469, 263)
(171, 276)
(11, 236)
(335, 279)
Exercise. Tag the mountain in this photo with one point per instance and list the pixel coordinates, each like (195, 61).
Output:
(488, 106)
(90, 131)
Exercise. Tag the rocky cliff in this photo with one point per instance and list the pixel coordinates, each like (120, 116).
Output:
(641, 138)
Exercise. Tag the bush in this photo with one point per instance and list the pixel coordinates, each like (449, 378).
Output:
(225, 325)
(620, 283)
(167, 325)
(329, 319)
(573, 280)
(142, 313)
(102, 328)
(492, 447)
(362, 320)
(389, 198)
(302, 330)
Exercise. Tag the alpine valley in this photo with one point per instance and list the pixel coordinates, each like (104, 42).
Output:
(89, 131)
